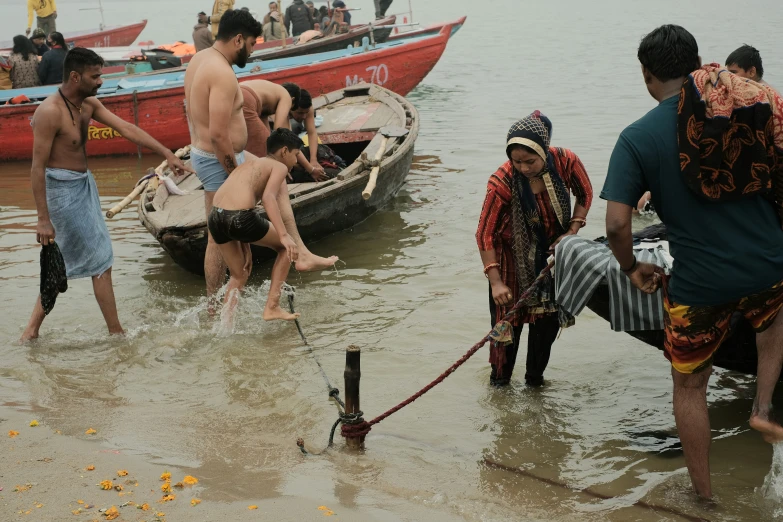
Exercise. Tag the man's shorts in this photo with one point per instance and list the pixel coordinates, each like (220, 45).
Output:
(694, 333)
(247, 226)
(209, 170)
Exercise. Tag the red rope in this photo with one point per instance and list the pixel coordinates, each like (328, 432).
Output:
(363, 428)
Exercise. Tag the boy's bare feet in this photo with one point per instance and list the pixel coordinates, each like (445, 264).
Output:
(28, 336)
(276, 314)
(309, 262)
(769, 429)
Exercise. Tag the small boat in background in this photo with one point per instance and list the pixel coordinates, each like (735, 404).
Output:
(354, 123)
(116, 36)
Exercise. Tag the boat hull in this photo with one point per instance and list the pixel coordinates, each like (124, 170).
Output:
(110, 37)
(161, 113)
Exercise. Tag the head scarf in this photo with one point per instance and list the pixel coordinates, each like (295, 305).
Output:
(531, 241)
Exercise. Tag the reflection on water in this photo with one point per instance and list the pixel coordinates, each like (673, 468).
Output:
(410, 292)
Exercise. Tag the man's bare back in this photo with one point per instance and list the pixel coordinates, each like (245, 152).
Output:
(245, 187)
(270, 94)
(211, 86)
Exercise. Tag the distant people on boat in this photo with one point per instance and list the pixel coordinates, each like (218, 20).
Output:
(5, 73)
(24, 64)
(273, 24)
(323, 17)
(219, 8)
(39, 40)
(218, 131)
(46, 14)
(274, 14)
(724, 232)
(313, 11)
(264, 100)
(340, 19)
(202, 36)
(527, 211)
(298, 18)
(50, 70)
(746, 62)
(235, 223)
(381, 6)
(64, 190)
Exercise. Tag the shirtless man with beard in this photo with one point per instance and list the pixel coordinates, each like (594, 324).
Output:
(219, 135)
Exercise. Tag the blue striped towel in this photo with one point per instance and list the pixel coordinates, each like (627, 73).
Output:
(581, 265)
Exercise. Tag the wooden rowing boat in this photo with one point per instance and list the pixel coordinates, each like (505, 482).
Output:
(737, 353)
(117, 36)
(353, 118)
(155, 102)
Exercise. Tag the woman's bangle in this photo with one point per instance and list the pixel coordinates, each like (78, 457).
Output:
(582, 221)
(629, 270)
(490, 267)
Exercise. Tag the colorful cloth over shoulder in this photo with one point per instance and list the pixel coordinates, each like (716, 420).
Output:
(730, 132)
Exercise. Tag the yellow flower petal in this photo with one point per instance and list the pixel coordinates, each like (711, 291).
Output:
(195, 501)
(33, 423)
(166, 476)
(190, 481)
(80, 501)
(12, 433)
(167, 498)
(166, 487)
(144, 507)
(111, 513)
(252, 507)
(106, 484)
(90, 468)
(39, 505)
(122, 473)
(90, 431)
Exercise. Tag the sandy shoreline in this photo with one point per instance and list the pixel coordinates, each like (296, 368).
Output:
(44, 475)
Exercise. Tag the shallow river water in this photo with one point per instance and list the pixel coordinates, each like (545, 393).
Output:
(410, 293)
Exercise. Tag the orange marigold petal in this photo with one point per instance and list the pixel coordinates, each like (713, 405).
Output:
(90, 468)
(165, 476)
(189, 480)
(195, 501)
(122, 473)
(90, 431)
(252, 507)
(12, 433)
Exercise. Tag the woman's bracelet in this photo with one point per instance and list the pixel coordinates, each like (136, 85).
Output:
(582, 221)
(490, 267)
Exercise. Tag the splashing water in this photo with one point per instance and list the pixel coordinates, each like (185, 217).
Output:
(772, 489)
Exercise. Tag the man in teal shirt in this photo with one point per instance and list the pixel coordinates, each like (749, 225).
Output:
(728, 255)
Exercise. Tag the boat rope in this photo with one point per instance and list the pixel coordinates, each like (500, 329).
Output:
(353, 424)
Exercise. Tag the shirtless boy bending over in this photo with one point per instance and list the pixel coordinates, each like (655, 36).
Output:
(234, 222)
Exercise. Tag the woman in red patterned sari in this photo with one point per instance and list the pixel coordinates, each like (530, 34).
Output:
(526, 212)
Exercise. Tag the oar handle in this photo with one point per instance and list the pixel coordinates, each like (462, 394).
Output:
(367, 192)
(116, 209)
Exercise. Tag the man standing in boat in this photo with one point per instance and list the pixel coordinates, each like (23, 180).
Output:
(219, 135)
(46, 14)
(66, 196)
(728, 253)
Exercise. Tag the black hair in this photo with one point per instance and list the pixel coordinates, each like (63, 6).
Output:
(24, 46)
(283, 138)
(237, 21)
(323, 10)
(669, 52)
(746, 57)
(58, 39)
(295, 92)
(305, 100)
(78, 59)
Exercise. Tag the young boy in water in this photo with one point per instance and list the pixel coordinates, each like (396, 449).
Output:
(234, 222)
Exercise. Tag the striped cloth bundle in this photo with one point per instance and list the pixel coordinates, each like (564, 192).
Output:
(581, 265)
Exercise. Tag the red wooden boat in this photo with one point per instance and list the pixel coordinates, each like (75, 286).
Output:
(117, 36)
(161, 112)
